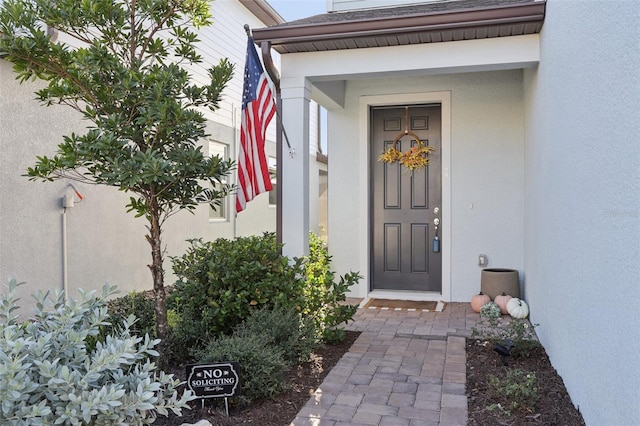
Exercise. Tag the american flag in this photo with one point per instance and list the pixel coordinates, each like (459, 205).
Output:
(258, 108)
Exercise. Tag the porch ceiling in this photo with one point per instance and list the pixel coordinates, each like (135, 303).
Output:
(423, 23)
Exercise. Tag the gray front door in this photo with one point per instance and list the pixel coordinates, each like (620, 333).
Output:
(405, 203)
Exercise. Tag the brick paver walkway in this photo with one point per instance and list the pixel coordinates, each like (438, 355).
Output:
(407, 368)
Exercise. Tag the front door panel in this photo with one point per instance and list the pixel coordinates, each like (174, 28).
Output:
(404, 203)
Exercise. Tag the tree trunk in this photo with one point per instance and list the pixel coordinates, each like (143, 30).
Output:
(157, 272)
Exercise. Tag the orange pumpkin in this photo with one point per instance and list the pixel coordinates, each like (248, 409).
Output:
(478, 301)
(502, 301)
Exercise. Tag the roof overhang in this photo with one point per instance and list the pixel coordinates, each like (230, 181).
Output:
(427, 23)
(263, 11)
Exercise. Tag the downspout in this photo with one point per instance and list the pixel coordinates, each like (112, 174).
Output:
(67, 202)
(65, 264)
(273, 72)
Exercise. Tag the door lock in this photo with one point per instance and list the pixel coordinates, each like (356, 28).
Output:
(436, 238)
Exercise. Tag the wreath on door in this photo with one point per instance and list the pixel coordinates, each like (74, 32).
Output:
(416, 158)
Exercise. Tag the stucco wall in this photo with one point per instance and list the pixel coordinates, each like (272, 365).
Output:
(486, 172)
(582, 210)
(102, 246)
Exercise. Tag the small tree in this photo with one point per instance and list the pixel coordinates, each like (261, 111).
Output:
(128, 79)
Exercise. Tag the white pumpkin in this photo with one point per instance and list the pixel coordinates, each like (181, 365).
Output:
(517, 308)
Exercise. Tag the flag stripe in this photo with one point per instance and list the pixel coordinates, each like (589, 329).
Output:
(258, 108)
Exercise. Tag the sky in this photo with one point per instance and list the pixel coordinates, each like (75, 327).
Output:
(296, 9)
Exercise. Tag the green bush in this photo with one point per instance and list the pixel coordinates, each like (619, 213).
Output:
(262, 364)
(140, 304)
(324, 298)
(49, 375)
(221, 282)
(286, 329)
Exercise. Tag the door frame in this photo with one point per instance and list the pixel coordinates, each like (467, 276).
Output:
(403, 99)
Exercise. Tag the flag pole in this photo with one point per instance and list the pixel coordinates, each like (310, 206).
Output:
(292, 151)
(273, 75)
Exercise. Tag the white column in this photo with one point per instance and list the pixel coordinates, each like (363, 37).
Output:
(296, 94)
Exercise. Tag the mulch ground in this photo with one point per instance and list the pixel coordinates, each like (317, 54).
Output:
(280, 411)
(552, 407)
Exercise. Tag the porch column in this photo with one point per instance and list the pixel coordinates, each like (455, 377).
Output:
(296, 95)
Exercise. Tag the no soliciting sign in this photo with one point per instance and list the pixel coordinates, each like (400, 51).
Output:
(214, 380)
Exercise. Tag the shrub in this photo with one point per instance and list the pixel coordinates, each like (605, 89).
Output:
(140, 304)
(221, 282)
(263, 363)
(324, 298)
(286, 329)
(48, 375)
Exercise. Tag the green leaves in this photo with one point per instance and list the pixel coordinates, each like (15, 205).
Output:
(123, 73)
(145, 129)
(49, 374)
(223, 281)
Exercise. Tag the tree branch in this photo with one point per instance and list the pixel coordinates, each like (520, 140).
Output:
(154, 30)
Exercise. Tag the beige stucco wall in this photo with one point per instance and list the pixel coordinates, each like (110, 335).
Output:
(486, 173)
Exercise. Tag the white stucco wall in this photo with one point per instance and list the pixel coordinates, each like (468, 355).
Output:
(486, 173)
(582, 206)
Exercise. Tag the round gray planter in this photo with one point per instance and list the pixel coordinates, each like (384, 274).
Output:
(496, 281)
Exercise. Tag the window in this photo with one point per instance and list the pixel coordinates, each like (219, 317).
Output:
(323, 206)
(273, 194)
(220, 150)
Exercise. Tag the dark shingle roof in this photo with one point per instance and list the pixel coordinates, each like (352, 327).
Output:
(400, 11)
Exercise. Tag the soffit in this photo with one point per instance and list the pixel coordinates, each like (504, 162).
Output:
(395, 26)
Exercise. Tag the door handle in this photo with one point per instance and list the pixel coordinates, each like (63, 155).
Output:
(435, 247)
